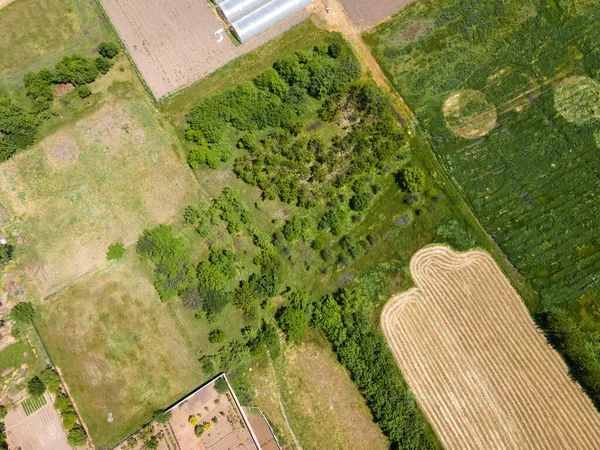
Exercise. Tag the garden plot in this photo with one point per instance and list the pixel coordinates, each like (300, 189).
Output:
(176, 43)
(483, 374)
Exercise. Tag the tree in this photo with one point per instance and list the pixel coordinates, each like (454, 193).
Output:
(3, 411)
(38, 87)
(293, 322)
(35, 386)
(216, 336)
(335, 50)
(77, 437)
(76, 70)
(411, 179)
(69, 419)
(50, 378)
(103, 64)
(22, 312)
(359, 202)
(221, 386)
(108, 49)
(115, 251)
(84, 91)
(161, 416)
(296, 228)
(62, 403)
(17, 128)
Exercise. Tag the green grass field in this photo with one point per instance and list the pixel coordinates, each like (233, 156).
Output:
(533, 179)
(35, 34)
(33, 403)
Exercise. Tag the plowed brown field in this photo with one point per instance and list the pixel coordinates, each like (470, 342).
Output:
(482, 372)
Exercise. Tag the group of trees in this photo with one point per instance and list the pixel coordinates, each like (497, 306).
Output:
(18, 128)
(366, 355)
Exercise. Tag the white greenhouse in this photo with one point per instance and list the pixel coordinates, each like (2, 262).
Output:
(249, 18)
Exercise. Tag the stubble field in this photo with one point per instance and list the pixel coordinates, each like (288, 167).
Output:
(174, 43)
(364, 13)
(482, 373)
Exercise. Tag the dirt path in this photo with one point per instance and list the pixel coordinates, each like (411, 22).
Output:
(337, 20)
(4, 3)
(280, 403)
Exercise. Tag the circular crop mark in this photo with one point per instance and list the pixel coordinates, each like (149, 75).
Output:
(468, 114)
(577, 99)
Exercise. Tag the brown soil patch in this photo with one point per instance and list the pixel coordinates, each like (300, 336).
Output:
(468, 114)
(62, 89)
(61, 150)
(482, 372)
(174, 43)
(368, 12)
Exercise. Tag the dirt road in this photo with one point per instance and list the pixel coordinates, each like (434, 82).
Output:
(332, 12)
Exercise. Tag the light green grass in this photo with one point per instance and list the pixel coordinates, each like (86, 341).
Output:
(33, 403)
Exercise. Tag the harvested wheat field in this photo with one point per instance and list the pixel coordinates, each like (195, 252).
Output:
(174, 44)
(484, 376)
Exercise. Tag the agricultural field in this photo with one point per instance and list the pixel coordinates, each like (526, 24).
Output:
(366, 13)
(482, 373)
(176, 44)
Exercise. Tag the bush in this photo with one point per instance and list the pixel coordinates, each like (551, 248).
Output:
(38, 87)
(35, 386)
(103, 64)
(193, 420)
(62, 403)
(3, 411)
(198, 430)
(359, 202)
(161, 416)
(69, 418)
(17, 128)
(335, 50)
(216, 336)
(84, 91)
(221, 386)
(296, 228)
(6, 253)
(115, 251)
(76, 70)
(411, 179)
(22, 312)
(108, 49)
(77, 437)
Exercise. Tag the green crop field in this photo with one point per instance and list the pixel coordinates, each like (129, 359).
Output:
(33, 403)
(508, 92)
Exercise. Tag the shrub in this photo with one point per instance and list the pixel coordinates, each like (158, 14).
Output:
(161, 416)
(84, 91)
(103, 64)
(115, 251)
(108, 49)
(216, 336)
(411, 179)
(6, 252)
(296, 228)
(193, 420)
(22, 312)
(62, 403)
(3, 411)
(77, 437)
(69, 418)
(17, 128)
(221, 386)
(76, 70)
(35, 386)
(198, 430)
(359, 202)
(335, 50)
(38, 87)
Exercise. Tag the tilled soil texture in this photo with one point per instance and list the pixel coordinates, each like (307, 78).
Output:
(176, 43)
(368, 12)
(482, 372)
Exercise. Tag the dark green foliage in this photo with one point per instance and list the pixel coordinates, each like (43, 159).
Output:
(365, 354)
(115, 251)
(76, 70)
(265, 338)
(297, 228)
(69, 418)
(215, 273)
(62, 403)
(173, 270)
(411, 179)
(50, 378)
(221, 386)
(35, 386)
(6, 254)
(359, 202)
(213, 302)
(161, 416)
(84, 91)
(451, 232)
(216, 336)
(3, 412)
(77, 437)
(295, 318)
(38, 87)
(335, 50)
(3, 443)
(108, 49)
(22, 312)
(581, 350)
(192, 214)
(103, 64)
(17, 128)
(333, 220)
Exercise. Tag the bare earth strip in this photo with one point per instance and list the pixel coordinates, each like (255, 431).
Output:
(368, 12)
(174, 44)
(482, 372)
(4, 3)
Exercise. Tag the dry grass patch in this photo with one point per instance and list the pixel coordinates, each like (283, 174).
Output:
(482, 372)
(100, 180)
(119, 349)
(468, 114)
